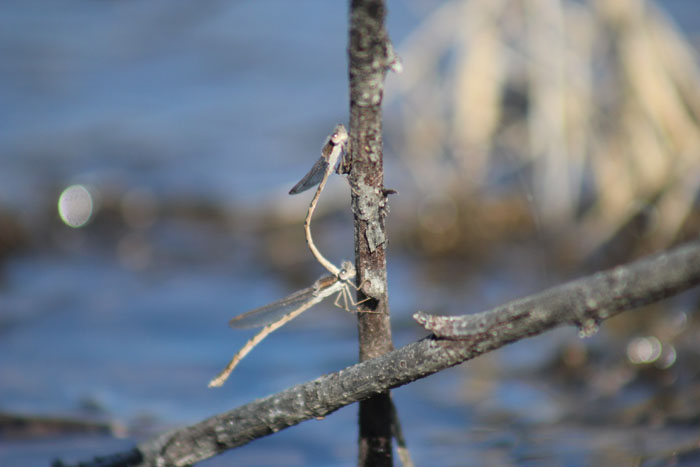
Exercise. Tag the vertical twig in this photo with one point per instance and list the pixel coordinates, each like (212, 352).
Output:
(370, 55)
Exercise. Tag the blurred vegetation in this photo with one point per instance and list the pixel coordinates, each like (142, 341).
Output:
(579, 120)
(576, 124)
(573, 122)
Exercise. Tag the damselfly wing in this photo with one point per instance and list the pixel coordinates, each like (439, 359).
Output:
(276, 310)
(331, 154)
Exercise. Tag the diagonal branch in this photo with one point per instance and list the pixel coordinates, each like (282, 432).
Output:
(593, 298)
(584, 302)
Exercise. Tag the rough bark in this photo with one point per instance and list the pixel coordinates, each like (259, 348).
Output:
(369, 58)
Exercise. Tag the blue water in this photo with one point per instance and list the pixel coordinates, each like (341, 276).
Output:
(225, 103)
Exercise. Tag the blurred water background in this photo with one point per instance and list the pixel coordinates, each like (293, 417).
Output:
(186, 123)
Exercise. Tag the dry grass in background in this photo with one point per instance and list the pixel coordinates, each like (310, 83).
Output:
(584, 113)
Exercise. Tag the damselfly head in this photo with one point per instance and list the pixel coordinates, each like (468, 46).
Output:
(339, 135)
(347, 271)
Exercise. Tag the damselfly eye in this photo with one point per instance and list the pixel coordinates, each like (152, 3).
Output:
(343, 274)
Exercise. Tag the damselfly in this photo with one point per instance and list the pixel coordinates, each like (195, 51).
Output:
(319, 173)
(279, 313)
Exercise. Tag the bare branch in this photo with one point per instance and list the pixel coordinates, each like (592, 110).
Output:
(595, 298)
(584, 302)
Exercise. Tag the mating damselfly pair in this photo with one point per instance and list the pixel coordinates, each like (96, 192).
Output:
(277, 314)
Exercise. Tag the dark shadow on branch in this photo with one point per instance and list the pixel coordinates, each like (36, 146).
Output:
(583, 302)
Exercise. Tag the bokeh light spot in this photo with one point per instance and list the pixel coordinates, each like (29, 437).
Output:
(644, 350)
(75, 206)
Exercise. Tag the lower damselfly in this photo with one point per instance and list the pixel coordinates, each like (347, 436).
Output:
(279, 313)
